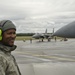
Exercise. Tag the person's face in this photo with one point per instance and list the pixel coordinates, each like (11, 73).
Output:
(8, 37)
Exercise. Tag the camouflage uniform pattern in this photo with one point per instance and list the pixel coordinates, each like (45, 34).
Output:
(8, 65)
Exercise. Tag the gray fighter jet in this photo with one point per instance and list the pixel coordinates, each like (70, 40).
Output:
(41, 35)
(67, 31)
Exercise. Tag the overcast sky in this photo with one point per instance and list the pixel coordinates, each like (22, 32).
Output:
(37, 15)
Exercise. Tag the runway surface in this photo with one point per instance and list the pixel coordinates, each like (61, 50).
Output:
(45, 58)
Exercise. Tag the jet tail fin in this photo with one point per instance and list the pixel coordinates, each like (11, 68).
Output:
(53, 31)
(46, 31)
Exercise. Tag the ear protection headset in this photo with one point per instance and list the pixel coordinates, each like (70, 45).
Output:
(1, 31)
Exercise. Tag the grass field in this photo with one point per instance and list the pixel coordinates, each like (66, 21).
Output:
(23, 37)
(29, 37)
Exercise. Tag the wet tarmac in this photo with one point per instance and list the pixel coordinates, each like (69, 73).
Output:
(45, 58)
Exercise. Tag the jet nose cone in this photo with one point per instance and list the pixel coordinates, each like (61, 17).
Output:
(67, 31)
(33, 36)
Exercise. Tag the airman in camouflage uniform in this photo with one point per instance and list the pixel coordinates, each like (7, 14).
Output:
(8, 65)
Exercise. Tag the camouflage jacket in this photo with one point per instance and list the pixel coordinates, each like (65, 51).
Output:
(8, 65)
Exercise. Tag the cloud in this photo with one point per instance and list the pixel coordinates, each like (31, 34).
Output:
(36, 15)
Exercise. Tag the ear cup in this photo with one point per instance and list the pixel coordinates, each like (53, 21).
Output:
(0, 34)
(1, 25)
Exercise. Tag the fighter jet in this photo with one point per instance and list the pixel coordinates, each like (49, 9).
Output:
(41, 35)
(67, 31)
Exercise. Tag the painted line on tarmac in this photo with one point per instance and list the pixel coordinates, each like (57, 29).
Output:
(48, 57)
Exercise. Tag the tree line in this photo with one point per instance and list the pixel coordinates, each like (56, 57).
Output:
(25, 34)
(28, 34)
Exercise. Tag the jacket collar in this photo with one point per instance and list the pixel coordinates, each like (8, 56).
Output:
(7, 48)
